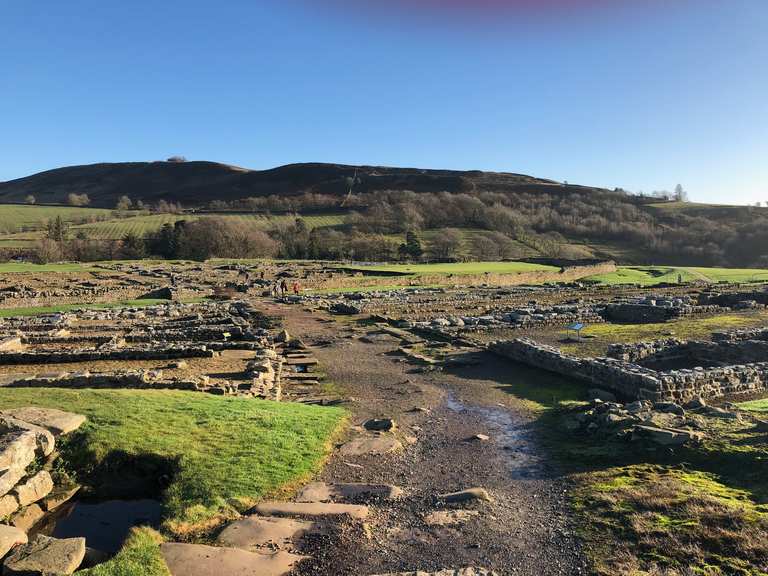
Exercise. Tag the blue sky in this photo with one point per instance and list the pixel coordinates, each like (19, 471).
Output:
(641, 94)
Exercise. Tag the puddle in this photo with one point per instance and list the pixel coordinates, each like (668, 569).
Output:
(104, 525)
(515, 438)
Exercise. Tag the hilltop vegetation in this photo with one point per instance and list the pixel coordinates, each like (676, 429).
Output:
(366, 213)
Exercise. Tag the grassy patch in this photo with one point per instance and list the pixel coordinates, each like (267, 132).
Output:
(755, 405)
(690, 328)
(140, 555)
(652, 519)
(223, 452)
(652, 275)
(35, 310)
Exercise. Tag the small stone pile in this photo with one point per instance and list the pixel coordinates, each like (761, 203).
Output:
(27, 492)
(661, 423)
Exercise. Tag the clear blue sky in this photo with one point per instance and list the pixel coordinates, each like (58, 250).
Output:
(635, 93)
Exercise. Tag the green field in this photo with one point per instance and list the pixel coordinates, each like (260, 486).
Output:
(455, 268)
(17, 218)
(217, 451)
(139, 224)
(651, 275)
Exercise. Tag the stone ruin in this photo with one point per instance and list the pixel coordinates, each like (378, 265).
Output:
(655, 370)
(172, 332)
(29, 491)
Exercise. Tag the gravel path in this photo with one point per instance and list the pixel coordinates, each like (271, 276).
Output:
(525, 530)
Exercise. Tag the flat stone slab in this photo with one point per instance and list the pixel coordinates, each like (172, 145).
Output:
(43, 437)
(350, 492)
(10, 536)
(446, 572)
(57, 421)
(201, 560)
(370, 446)
(449, 517)
(257, 533)
(310, 509)
(28, 517)
(45, 555)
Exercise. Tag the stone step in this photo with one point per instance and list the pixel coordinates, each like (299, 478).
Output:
(202, 560)
(310, 510)
(265, 533)
(347, 492)
(301, 362)
(45, 555)
(370, 446)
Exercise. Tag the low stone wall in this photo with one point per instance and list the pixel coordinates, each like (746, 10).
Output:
(92, 355)
(626, 380)
(631, 381)
(736, 335)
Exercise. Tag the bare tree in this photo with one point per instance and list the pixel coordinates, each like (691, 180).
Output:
(78, 199)
(30, 199)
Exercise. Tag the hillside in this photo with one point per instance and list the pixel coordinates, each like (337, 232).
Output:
(197, 183)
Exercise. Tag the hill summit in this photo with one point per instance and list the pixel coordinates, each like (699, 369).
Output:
(195, 183)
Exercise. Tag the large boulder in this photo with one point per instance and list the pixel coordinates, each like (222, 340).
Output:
(45, 556)
(56, 421)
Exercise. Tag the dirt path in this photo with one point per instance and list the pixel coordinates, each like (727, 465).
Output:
(524, 531)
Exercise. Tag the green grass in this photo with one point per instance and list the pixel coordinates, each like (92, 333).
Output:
(755, 405)
(142, 224)
(35, 310)
(225, 452)
(686, 328)
(456, 268)
(15, 218)
(139, 556)
(651, 275)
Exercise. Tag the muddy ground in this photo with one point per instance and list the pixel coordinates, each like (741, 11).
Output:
(526, 530)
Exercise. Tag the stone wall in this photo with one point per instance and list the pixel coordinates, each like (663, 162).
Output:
(624, 379)
(631, 381)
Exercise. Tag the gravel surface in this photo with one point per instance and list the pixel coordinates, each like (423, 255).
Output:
(525, 530)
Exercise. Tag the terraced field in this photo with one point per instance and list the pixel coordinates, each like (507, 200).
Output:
(35, 218)
(18, 218)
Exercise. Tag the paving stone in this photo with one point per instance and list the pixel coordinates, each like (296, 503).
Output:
(201, 560)
(449, 517)
(10, 536)
(57, 421)
(259, 533)
(349, 492)
(310, 509)
(45, 556)
(370, 446)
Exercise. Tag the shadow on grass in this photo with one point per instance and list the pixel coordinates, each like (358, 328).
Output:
(118, 474)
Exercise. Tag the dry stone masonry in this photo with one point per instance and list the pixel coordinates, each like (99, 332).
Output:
(731, 367)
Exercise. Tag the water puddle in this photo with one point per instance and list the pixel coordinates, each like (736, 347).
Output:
(515, 438)
(104, 525)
